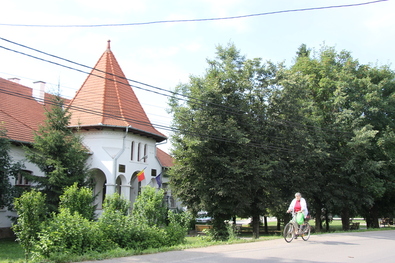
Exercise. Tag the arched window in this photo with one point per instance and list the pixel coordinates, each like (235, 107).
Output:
(138, 152)
(145, 153)
(119, 185)
(132, 151)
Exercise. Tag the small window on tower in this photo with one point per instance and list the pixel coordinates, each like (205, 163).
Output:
(121, 168)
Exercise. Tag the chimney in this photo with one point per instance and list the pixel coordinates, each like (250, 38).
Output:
(16, 80)
(39, 91)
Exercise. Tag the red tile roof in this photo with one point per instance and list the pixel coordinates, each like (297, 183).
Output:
(165, 159)
(107, 99)
(20, 113)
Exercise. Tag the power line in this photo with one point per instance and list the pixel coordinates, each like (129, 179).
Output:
(192, 100)
(199, 101)
(205, 136)
(199, 19)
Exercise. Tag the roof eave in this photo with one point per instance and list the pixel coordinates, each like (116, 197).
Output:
(156, 137)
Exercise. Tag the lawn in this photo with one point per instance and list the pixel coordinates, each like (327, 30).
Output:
(11, 251)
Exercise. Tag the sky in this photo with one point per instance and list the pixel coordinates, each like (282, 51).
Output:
(164, 55)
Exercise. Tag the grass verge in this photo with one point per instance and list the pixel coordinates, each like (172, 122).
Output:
(11, 251)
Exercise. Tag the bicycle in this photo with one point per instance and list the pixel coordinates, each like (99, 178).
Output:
(292, 229)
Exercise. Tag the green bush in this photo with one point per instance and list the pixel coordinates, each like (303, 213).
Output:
(115, 202)
(118, 228)
(178, 227)
(31, 211)
(149, 208)
(78, 200)
(68, 233)
(150, 237)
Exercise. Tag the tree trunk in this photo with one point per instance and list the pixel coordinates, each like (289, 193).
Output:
(345, 215)
(372, 220)
(266, 228)
(327, 222)
(255, 226)
(219, 227)
(318, 221)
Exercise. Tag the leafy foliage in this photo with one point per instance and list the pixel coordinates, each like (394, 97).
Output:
(149, 208)
(68, 232)
(116, 202)
(31, 213)
(8, 169)
(220, 165)
(78, 200)
(178, 226)
(254, 134)
(115, 217)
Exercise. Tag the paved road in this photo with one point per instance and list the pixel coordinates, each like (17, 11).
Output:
(375, 246)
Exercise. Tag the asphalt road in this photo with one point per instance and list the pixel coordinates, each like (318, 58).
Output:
(374, 246)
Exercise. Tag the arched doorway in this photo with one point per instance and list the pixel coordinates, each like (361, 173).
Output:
(100, 187)
(135, 187)
(122, 186)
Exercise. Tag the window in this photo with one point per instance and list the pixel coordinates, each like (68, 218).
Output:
(138, 152)
(132, 151)
(145, 153)
(121, 168)
(21, 180)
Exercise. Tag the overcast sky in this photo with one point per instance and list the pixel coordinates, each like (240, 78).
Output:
(166, 54)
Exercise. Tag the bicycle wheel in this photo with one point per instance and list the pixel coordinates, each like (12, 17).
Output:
(289, 232)
(306, 232)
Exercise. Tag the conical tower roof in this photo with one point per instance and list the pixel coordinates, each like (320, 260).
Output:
(107, 99)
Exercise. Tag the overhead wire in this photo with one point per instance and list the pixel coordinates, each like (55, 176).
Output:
(197, 19)
(4, 90)
(166, 128)
(185, 97)
(188, 132)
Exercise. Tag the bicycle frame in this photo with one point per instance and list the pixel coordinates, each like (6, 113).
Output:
(292, 229)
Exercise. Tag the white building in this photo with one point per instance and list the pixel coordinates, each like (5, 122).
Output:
(114, 126)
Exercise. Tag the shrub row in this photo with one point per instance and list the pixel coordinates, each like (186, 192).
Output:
(73, 232)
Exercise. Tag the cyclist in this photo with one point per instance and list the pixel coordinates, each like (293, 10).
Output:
(298, 205)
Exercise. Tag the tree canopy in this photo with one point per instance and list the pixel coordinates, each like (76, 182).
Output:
(248, 135)
(219, 165)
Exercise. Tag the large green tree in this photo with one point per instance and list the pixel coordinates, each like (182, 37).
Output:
(220, 166)
(350, 106)
(59, 154)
